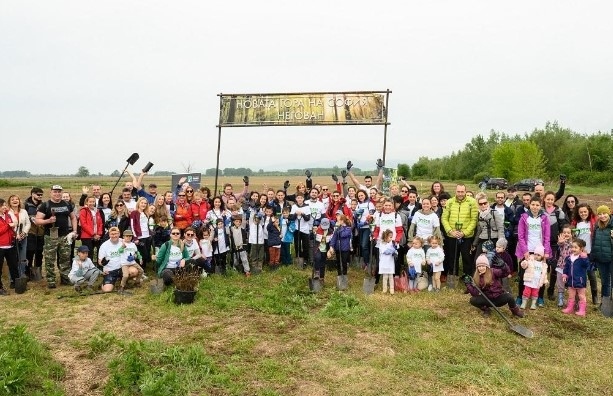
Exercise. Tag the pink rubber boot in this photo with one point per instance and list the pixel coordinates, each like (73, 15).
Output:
(570, 307)
(581, 311)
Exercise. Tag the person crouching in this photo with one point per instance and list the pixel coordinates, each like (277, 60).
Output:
(129, 255)
(83, 270)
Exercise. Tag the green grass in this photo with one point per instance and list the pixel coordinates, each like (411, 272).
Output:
(26, 367)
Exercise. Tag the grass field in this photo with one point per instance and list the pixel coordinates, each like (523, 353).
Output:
(268, 335)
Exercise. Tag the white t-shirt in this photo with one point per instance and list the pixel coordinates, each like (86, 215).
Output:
(110, 251)
(144, 225)
(302, 225)
(539, 267)
(425, 224)
(206, 247)
(388, 221)
(415, 257)
(175, 257)
(535, 233)
(366, 207)
(221, 240)
(130, 249)
(585, 234)
(386, 261)
(317, 209)
(193, 249)
(436, 256)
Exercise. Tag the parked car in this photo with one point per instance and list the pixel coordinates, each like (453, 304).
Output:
(527, 184)
(497, 183)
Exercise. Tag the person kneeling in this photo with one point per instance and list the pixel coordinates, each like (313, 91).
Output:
(83, 270)
(129, 255)
(489, 280)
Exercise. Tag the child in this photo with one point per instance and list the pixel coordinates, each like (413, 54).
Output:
(535, 276)
(565, 240)
(238, 241)
(575, 274)
(435, 257)
(416, 257)
(323, 235)
(206, 247)
(488, 280)
(287, 236)
(274, 242)
(221, 245)
(502, 254)
(256, 240)
(387, 250)
(341, 243)
(129, 255)
(83, 270)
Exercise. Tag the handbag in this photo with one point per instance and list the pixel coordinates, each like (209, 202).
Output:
(401, 283)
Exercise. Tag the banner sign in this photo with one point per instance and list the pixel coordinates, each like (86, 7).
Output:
(191, 179)
(295, 109)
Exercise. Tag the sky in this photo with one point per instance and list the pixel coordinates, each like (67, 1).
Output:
(86, 83)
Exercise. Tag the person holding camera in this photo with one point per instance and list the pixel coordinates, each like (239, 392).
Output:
(488, 279)
(539, 189)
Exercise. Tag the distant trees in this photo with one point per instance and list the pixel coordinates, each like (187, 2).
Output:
(82, 172)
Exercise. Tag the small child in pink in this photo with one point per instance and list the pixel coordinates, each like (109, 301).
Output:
(575, 275)
(534, 277)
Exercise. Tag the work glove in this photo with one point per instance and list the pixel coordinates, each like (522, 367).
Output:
(246, 180)
(389, 251)
(286, 185)
(349, 165)
(379, 164)
(467, 279)
(563, 178)
(343, 174)
(335, 178)
(497, 262)
(308, 174)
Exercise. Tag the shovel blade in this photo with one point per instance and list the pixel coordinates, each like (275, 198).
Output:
(607, 307)
(522, 331)
(314, 285)
(342, 283)
(369, 285)
(451, 281)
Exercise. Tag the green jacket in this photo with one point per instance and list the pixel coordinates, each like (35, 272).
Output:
(463, 212)
(161, 259)
(602, 243)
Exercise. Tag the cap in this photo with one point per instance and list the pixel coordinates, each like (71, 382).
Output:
(56, 187)
(501, 243)
(482, 260)
(83, 249)
(153, 185)
(339, 212)
(128, 232)
(540, 250)
(324, 224)
(487, 246)
(603, 209)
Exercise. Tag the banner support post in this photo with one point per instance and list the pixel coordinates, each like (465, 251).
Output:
(387, 100)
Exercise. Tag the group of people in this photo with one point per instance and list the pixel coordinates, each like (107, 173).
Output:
(387, 234)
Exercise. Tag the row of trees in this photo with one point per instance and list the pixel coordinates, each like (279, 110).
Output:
(543, 153)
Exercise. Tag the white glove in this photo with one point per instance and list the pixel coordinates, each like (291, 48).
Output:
(71, 237)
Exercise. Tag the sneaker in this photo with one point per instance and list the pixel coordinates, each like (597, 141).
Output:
(540, 302)
(144, 277)
(51, 285)
(429, 287)
(518, 301)
(3, 292)
(204, 274)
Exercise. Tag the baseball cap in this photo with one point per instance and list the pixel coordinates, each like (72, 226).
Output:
(324, 224)
(128, 232)
(153, 185)
(56, 187)
(83, 249)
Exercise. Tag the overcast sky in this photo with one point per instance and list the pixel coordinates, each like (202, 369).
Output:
(86, 83)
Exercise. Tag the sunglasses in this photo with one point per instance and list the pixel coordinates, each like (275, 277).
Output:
(570, 202)
(181, 195)
(483, 203)
(189, 234)
(118, 205)
(404, 191)
(324, 189)
(189, 191)
(39, 195)
(175, 233)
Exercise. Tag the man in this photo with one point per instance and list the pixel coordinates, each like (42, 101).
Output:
(539, 189)
(367, 179)
(36, 236)
(460, 220)
(227, 191)
(96, 192)
(512, 197)
(508, 213)
(137, 183)
(128, 200)
(56, 216)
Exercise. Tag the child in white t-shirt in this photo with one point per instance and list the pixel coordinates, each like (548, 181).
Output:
(435, 257)
(83, 270)
(416, 257)
(387, 253)
(129, 255)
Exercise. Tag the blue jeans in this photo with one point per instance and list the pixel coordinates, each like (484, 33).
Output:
(365, 244)
(605, 277)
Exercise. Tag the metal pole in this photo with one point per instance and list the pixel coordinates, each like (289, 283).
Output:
(218, 144)
(387, 100)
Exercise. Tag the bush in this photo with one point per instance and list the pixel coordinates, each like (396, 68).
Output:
(478, 178)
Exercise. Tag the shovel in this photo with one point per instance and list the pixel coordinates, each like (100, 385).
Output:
(314, 283)
(451, 281)
(156, 286)
(342, 282)
(521, 330)
(369, 281)
(607, 307)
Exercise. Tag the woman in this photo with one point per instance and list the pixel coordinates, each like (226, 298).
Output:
(120, 218)
(21, 219)
(8, 250)
(584, 221)
(425, 223)
(557, 219)
(183, 215)
(490, 224)
(139, 223)
(434, 204)
(280, 203)
(602, 248)
(437, 189)
(206, 195)
(570, 203)
(170, 203)
(218, 211)
(105, 205)
(92, 226)
(171, 257)
(364, 212)
(300, 189)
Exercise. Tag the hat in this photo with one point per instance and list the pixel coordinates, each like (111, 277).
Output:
(56, 187)
(603, 209)
(36, 190)
(339, 212)
(487, 246)
(83, 249)
(540, 250)
(128, 232)
(324, 224)
(501, 243)
(153, 185)
(482, 260)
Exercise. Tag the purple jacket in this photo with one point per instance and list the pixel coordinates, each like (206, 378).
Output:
(522, 234)
(494, 290)
(342, 234)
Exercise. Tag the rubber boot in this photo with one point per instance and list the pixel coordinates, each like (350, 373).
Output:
(533, 305)
(581, 311)
(524, 302)
(560, 299)
(570, 308)
(517, 312)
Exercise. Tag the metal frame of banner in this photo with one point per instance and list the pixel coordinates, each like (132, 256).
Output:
(385, 122)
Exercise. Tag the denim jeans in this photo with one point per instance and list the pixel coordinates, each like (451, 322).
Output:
(365, 244)
(605, 277)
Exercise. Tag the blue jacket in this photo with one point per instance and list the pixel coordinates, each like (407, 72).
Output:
(274, 235)
(343, 236)
(576, 272)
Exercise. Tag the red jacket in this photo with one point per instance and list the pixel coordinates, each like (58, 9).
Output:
(183, 216)
(87, 223)
(199, 211)
(340, 205)
(7, 234)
